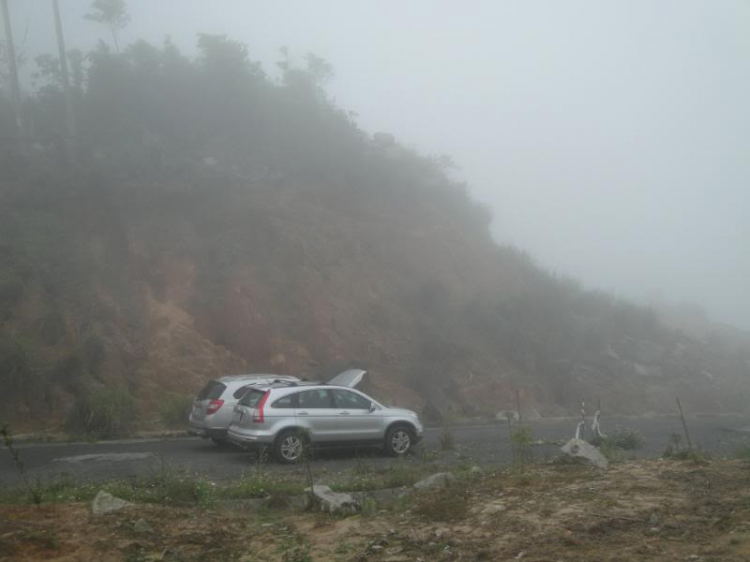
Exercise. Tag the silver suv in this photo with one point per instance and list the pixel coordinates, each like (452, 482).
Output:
(214, 406)
(289, 417)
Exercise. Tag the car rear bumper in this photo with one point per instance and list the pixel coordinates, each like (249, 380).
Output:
(248, 439)
(206, 432)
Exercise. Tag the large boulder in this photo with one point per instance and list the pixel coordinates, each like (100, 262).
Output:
(332, 502)
(582, 449)
(104, 502)
(439, 480)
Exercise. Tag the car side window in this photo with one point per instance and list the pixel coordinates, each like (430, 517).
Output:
(315, 399)
(289, 401)
(351, 400)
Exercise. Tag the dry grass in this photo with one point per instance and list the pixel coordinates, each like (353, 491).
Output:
(651, 510)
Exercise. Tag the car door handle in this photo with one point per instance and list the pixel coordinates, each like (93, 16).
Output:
(302, 413)
(344, 413)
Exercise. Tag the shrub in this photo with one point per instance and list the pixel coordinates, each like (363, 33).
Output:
(677, 450)
(101, 412)
(15, 362)
(447, 441)
(11, 291)
(743, 451)
(625, 438)
(174, 410)
(521, 438)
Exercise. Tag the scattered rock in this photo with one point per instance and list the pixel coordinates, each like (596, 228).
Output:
(333, 502)
(475, 470)
(376, 546)
(104, 502)
(441, 479)
(582, 449)
(142, 527)
(493, 508)
(504, 414)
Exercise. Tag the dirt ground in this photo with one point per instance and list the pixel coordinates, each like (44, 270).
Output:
(645, 510)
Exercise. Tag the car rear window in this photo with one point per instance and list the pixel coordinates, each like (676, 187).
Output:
(240, 391)
(212, 391)
(252, 397)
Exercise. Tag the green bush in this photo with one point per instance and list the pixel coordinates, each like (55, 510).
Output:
(101, 412)
(743, 451)
(174, 410)
(624, 438)
(15, 362)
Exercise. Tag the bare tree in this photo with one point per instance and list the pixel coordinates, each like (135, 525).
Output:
(10, 55)
(69, 118)
(113, 14)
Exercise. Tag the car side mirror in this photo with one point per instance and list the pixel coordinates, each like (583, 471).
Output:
(373, 407)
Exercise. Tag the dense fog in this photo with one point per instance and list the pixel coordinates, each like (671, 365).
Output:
(610, 139)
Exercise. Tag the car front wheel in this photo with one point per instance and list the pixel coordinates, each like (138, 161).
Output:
(399, 440)
(290, 447)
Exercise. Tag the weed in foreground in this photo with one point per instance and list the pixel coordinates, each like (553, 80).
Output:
(521, 438)
(447, 440)
(33, 491)
(449, 503)
(678, 451)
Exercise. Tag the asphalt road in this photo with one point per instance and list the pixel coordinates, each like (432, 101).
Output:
(479, 445)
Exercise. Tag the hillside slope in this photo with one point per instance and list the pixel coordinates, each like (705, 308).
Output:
(155, 287)
(274, 235)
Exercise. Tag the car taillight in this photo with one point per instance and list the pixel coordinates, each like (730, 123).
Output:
(258, 415)
(214, 406)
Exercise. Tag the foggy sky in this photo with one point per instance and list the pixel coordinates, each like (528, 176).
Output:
(612, 139)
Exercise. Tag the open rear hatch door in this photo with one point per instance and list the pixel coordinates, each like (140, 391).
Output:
(350, 378)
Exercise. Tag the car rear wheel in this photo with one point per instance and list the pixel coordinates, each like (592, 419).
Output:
(399, 440)
(290, 447)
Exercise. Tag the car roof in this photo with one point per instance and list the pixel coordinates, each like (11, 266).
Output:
(293, 385)
(250, 377)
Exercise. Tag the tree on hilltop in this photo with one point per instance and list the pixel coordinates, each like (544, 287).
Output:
(113, 14)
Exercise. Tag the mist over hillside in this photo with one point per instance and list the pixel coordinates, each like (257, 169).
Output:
(212, 220)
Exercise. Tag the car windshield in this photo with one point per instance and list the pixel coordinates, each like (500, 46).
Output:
(251, 397)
